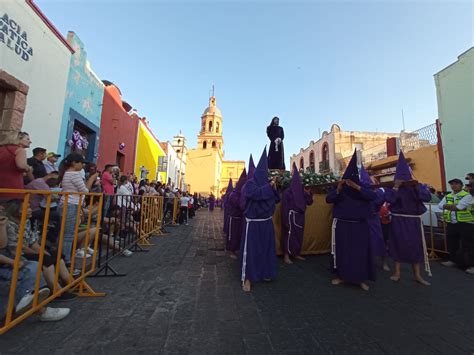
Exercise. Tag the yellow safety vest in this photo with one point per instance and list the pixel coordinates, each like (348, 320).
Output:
(461, 216)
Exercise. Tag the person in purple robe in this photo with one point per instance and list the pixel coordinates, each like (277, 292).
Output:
(407, 242)
(257, 248)
(377, 240)
(228, 191)
(235, 213)
(276, 154)
(350, 247)
(293, 208)
(212, 202)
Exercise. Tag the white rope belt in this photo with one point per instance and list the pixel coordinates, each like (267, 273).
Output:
(230, 225)
(244, 258)
(291, 213)
(333, 237)
(423, 240)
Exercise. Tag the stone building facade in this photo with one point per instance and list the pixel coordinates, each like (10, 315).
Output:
(332, 151)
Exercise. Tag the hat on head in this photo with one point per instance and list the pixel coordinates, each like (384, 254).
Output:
(455, 181)
(260, 175)
(403, 171)
(365, 177)
(75, 158)
(352, 173)
(251, 168)
(52, 154)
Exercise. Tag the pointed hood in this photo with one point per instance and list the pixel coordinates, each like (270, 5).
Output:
(251, 168)
(364, 177)
(242, 180)
(297, 190)
(228, 191)
(403, 169)
(230, 187)
(352, 173)
(261, 171)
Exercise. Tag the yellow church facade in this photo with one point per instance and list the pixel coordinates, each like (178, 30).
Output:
(206, 170)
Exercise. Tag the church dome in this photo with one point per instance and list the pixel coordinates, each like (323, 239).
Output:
(212, 109)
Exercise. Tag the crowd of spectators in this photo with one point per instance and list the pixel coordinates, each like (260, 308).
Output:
(41, 172)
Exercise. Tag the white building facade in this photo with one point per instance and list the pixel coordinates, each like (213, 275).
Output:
(34, 53)
(455, 94)
(331, 153)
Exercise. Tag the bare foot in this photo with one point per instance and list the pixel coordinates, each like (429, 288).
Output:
(232, 255)
(395, 277)
(299, 257)
(386, 267)
(364, 286)
(246, 286)
(420, 280)
(287, 260)
(337, 281)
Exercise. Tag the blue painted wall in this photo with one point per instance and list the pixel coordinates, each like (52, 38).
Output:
(83, 102)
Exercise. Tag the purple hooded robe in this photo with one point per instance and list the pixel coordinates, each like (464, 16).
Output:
(257, 250)
(351, 249)
(293, 208)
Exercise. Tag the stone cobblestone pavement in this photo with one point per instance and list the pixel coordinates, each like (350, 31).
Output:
(184, 296)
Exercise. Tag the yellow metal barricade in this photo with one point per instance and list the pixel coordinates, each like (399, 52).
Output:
(151, 219)
(437, 227)
(21, 239)
(175, 211)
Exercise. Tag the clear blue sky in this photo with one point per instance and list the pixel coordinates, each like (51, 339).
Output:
(315, 63)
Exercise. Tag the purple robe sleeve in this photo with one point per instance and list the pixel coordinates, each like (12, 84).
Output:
(284, 210)
(333, 196)
(423, 193)
(391, 196)
(367, 193)
(308, 197)
(277, 196)
(259, 193)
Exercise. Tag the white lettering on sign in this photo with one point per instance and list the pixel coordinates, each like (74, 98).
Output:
(13, 37)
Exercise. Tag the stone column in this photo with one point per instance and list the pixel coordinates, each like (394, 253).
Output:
(13, 94)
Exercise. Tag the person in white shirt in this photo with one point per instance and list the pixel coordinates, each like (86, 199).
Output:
(50, 162)
(458, 216)
(183, 209)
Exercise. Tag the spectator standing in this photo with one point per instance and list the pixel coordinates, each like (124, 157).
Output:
(108, 186)
(183, 209)
(50, 162)
(36, 162)
(14, 165)
(71, 180)
(457, 214)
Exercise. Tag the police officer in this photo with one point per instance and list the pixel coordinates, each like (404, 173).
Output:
(459, 218)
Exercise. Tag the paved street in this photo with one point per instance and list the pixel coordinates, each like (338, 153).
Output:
(184, 297)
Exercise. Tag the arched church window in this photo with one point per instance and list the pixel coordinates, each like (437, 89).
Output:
(325, 152)
(204, 145)
(217, 127)
(301, 163)
(210, 126)
(311, 161)
(214, 144)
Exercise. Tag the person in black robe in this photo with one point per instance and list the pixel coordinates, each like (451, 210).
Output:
(276, 154)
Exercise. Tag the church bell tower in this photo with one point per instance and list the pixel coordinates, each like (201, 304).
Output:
(210, 136)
